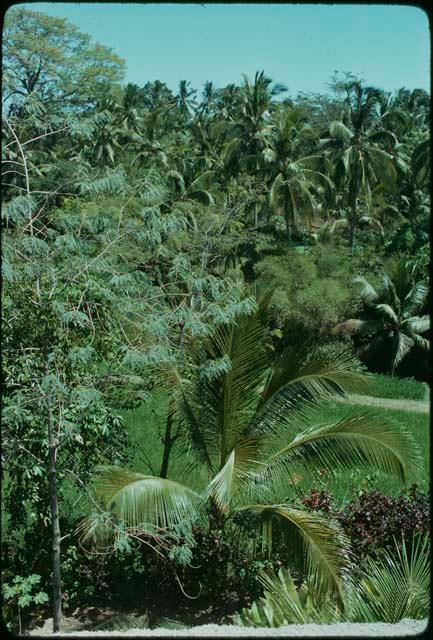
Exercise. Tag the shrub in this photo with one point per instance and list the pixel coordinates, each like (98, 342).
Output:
(306, 302)
(224, 569)
(373, 521)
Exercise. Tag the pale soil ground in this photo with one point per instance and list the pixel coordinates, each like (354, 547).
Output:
(421, 406)
(354, 630)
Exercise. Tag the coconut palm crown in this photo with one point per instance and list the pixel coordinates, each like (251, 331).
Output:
(391, 314)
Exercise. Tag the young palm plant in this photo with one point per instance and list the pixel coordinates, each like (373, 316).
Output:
(395, 586)
(249, 427)
(391, 315)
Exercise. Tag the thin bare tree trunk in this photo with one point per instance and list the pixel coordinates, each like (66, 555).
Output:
(55, 524)
(168, 442)
(288, 228)
(352, 225)
(169, 439)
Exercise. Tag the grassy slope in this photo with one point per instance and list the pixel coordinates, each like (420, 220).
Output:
(381, 386)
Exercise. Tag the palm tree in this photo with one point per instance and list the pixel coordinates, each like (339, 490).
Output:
(355, 145)
(297, 181)
(249, 427)
(248, 120)
(132, 104)
(209, 97)
(159, 115)
(390, 315)
(186, 99)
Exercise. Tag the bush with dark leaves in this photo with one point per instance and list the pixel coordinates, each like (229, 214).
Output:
(373, 521)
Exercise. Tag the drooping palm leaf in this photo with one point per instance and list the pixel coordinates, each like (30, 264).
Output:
(325, 546)
(314, 374)
(387, 312)
(417, 324)
(367, 292)
(401, 346)
(361, 439)
(339, 131)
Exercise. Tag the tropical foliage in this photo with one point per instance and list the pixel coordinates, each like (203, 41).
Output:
(389, 589)
(184, 263)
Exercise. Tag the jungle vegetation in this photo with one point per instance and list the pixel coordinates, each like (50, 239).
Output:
(236, 260)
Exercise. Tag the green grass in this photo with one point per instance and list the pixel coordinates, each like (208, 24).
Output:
(145, 429)
(381, 386)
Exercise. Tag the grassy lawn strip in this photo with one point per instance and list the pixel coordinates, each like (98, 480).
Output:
(381, 386)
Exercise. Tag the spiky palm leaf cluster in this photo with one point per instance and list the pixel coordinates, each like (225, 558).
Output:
(392, 314)
(388, 589)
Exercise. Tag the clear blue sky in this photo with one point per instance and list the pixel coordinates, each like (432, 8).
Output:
(299, 45)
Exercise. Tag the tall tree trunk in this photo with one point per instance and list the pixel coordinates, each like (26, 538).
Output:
(55, 525)
(352, 225)
(169, 439)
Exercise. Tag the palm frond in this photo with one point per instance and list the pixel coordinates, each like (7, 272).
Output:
(401, 346)
(361, 439)
(367, 292)
(384, 137)
(396, 586)
(240, 467)
(384, 167)
(417, 324)
(319, 373)
(339, 131)
(422, 343)
(203, 182)
(230, 151)
(139, 501)
(274, 193)
(387, 312)
(415, 298)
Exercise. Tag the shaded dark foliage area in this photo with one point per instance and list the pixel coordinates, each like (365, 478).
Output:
(373, 521)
